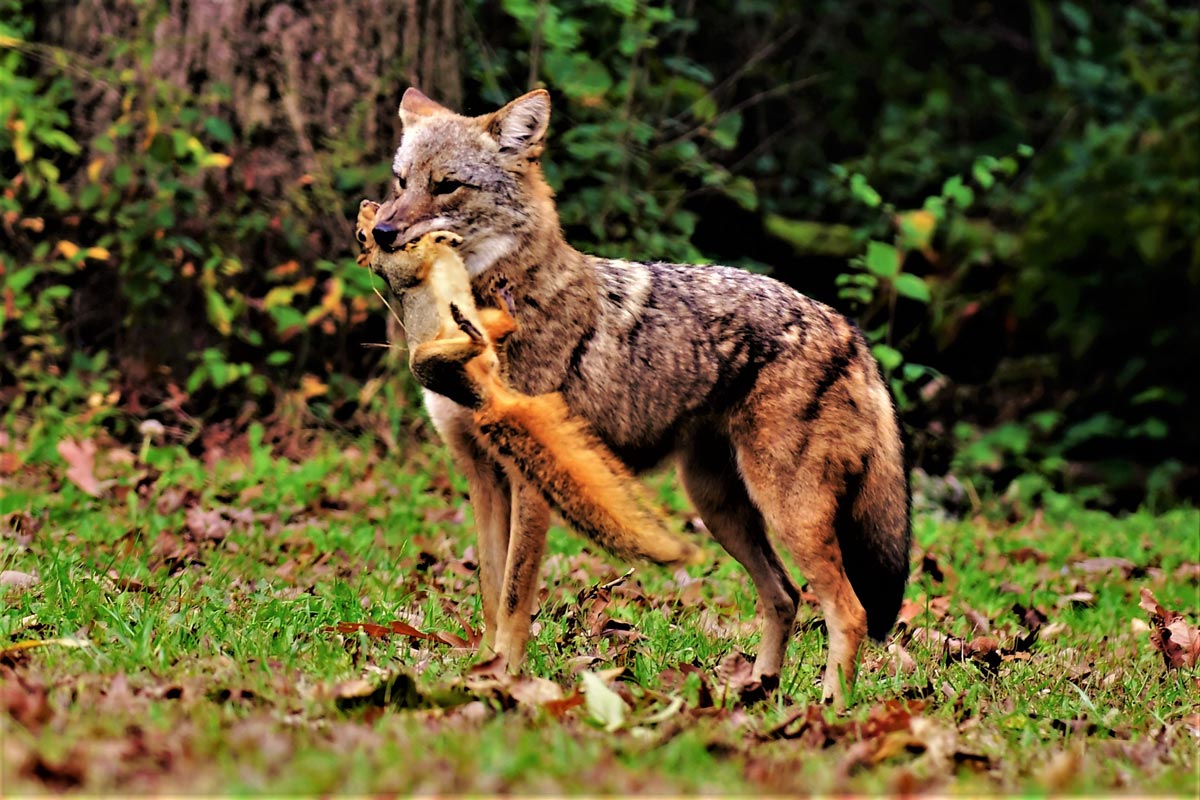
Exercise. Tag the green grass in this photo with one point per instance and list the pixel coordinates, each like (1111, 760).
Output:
(209, 670)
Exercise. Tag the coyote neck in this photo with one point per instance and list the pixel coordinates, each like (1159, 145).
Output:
(555, 291)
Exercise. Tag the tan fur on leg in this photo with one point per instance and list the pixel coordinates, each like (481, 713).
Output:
(527, 541)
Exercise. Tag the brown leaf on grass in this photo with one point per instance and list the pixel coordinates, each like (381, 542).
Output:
(911, 609)
(494, 667)
(369, 628)
(892, 715)
(673, 680)
(533, 691)
(9, 463)
(57, 775)
(1170, 633)
(174, 498)
(125, 583)
(396, 627)
(398, 690)
(558, 708)
(1023, 554)
(11, 654)
(809, 727)
(900, 661)
(1076, 599)
(453, 516)
(12, 579)
(24, 699)
(936, 571)
(1106, 564)
(979, 622)
(1188, 572)
(207, 525)
(735, 674)
(173, 552)
(81, 460)
(618, 629)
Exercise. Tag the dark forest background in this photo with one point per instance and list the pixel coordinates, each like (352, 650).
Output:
(1005, 195)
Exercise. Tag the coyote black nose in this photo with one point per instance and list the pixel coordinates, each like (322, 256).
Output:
(385, 235)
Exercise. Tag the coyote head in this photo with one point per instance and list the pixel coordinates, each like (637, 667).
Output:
(478, 177)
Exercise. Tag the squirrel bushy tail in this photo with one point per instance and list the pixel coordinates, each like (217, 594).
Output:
(579, 476)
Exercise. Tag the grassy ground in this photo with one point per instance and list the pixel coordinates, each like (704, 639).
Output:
(193, 614)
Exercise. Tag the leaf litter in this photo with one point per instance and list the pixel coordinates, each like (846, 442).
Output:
(919, 725)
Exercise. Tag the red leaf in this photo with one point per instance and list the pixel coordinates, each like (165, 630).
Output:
(559, 707)
(1170, 633)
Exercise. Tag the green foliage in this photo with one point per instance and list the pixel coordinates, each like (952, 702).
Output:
(877, 281)
(193, 230)
(636, 130)
(132, 227)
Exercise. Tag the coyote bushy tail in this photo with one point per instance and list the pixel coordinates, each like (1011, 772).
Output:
(874, 532)
(594, 492)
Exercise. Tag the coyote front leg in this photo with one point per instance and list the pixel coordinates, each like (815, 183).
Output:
(491, 501)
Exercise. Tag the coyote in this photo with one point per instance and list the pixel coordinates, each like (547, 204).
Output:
(770, 403)
(454, 350)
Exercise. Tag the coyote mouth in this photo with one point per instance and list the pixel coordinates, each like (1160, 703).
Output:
(419, 231)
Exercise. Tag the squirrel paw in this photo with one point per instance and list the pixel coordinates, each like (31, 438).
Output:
(464, 324)
(438, 237)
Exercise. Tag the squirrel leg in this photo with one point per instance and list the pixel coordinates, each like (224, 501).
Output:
(500, 322)
(440, 364)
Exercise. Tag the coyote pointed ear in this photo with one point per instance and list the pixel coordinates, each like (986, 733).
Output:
(520, 127)
(415, 104)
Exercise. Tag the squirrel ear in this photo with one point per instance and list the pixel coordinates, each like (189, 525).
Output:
(415, 104)
(520, 127)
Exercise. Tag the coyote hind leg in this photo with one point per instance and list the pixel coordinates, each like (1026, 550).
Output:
(717, 491)
(802, 512)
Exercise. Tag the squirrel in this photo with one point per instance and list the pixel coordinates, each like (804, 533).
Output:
(455, 350)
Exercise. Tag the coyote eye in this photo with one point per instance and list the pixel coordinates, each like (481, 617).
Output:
(447, 186)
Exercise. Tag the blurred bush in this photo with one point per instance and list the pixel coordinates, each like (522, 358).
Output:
(1006, 196)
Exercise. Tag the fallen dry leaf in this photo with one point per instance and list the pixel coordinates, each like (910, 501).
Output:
(1107, 564)
(1077, 599)
(532, 691)
(25, 699)
(17, 580)
(558, 708)
(1023, 554)
(207, 525)
(398, 691)
(911, 609)
(9, 463)
(396, 627)
(81, 460)
(735, 674)
(1170, 633)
